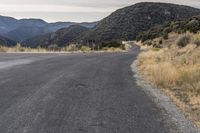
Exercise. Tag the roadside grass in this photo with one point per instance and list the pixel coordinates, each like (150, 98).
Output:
(68, 49)
(176, 70)
(19, 48)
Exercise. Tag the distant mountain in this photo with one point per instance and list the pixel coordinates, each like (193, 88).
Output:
(7, 24)
(61, 37)
(126, 23)
(22, 33)
(6, 42)
(23, 29)
(58, 25)
(88, 24)
(32, 22)
(179, 26)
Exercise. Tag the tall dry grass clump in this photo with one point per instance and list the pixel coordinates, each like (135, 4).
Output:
(155, 66)
(176, 69)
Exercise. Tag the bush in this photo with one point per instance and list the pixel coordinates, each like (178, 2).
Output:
(110, 44)
(105, 48)
(2, 49)
(53, 47)
(71, 48)
(197, 42)
(183, 40)
(193, 26)
(165, 36)
(196, 39)
(148, 43)
(160, 41)
(85, 48)
(19, 48)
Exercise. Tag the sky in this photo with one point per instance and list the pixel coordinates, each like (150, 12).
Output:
(72, 10)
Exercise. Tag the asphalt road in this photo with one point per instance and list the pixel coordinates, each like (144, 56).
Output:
(75, 93)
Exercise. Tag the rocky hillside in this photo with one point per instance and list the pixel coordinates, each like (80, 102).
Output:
(59, 38)
(179, 26)
(126, 23)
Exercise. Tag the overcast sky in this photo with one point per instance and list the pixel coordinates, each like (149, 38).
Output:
(71, 10)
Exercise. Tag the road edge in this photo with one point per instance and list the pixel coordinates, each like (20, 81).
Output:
(163, 101)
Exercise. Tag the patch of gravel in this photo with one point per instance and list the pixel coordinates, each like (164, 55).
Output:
(164, 102)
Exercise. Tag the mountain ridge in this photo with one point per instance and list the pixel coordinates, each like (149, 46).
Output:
(9, 27)
(60, 38)
(126, 23)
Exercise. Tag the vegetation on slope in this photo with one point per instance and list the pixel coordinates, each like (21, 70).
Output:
(180, 26)
(6, 42)
(22, 33)
(126, 23)
(176, 70)
(61, 38)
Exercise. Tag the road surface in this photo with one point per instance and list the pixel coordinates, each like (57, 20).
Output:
(75, 93)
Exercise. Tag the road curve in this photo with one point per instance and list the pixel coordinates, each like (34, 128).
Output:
(76, 93)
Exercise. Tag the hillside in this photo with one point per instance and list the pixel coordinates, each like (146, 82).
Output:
(7, 24)
(22, 33)
(6, 42)
(126, 23)
(170, 59)
(58, 25)
(179, 26)
(61, 37)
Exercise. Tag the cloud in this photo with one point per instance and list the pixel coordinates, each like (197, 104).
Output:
(74, 10)
(60, 16)
(51, 8)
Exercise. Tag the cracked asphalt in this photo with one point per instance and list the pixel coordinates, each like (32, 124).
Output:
(76, 93)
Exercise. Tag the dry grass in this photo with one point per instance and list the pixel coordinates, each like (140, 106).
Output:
(19, 48)
(68, 49)
(177, 71)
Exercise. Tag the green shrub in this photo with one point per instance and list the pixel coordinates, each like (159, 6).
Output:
(183, 40)
(167, 30)
(114, 44)
(193, 26)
